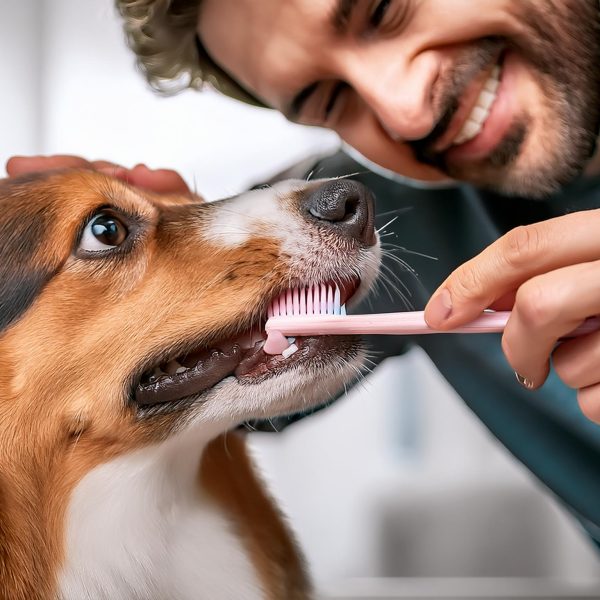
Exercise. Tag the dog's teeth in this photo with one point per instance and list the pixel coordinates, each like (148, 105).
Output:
(289, 351)
(172, 367)
(180, 370)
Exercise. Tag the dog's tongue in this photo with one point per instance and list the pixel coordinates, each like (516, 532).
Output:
(203, 370)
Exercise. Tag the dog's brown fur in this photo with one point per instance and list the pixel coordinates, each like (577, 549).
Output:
(71, 327)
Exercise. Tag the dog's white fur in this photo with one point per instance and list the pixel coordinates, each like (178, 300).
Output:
(139, 528)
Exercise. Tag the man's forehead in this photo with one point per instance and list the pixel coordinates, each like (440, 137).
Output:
(271, 46)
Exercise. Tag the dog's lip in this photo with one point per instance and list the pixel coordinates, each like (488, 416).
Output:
(194, 372)
(210, 367)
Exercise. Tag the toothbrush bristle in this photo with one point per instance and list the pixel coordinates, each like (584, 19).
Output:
(316, 299)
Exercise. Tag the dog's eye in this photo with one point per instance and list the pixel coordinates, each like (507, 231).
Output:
(104, 231)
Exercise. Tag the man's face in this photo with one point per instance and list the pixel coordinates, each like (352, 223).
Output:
(501, 93)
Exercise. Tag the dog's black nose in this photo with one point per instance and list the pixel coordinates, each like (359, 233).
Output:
(348, 207)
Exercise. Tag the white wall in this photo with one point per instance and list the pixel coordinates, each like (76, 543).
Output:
(97, 105)
(20, 77)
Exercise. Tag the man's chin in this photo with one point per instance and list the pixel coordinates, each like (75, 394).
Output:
(518, 169)
(522, 178)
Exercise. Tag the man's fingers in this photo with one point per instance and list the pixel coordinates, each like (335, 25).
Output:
(161, 181)
(20, 165)
(576, 361)
(589, 402)
(547, 308)
(513, 259)
(105, 165)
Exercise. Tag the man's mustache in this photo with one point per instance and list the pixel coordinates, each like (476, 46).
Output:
(474, 59)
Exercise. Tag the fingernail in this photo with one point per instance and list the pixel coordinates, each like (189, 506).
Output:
(526, 383)
(439, 307)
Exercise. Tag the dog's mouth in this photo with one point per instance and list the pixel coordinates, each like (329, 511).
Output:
(194, 371)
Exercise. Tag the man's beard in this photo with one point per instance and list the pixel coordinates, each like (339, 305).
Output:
(562, 44)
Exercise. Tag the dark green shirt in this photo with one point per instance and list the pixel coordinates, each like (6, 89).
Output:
(544, 429)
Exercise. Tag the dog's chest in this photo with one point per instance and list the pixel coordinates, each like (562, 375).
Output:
(138, 528)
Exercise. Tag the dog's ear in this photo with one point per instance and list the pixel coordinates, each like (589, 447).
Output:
(24, 265)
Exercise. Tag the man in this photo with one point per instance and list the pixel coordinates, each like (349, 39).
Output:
(502, 94)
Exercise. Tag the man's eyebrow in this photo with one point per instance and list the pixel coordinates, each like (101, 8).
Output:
(339, 20)
(341, 15)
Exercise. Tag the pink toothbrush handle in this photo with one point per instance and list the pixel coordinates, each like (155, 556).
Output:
(403, 323)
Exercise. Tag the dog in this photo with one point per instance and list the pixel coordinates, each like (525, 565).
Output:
(130, 350)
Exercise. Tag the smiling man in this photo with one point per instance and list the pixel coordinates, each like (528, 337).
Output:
(501, 95)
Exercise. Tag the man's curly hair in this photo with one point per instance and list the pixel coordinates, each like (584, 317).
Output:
(162, 34)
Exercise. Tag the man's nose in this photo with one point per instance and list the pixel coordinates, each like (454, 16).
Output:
(401, 97)
(346, 207)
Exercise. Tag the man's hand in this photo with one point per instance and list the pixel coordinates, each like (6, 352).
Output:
(549, 275)
(160, 181)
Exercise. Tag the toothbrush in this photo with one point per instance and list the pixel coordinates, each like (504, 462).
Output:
(317, 310)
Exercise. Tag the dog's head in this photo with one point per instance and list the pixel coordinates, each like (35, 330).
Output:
(125, 316)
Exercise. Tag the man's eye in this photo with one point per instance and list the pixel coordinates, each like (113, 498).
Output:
(379, 13)
(335, 93)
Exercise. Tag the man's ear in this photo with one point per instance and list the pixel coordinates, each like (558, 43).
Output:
(24, 267)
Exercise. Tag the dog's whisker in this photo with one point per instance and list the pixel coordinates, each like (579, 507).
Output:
(387, 224)
(408, 251)
(397, 211)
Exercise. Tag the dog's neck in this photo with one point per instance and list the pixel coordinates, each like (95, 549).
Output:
(144, 526)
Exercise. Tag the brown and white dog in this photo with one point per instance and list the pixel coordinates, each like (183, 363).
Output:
(128, 348)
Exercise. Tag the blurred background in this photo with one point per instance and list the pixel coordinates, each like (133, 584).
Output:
(394, 492)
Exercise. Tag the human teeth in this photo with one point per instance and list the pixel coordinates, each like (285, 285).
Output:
(291, 340)
(470, 129)
(486, 99)
(479, 114)
(289, 351)
(476, 119)
(491, 86)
